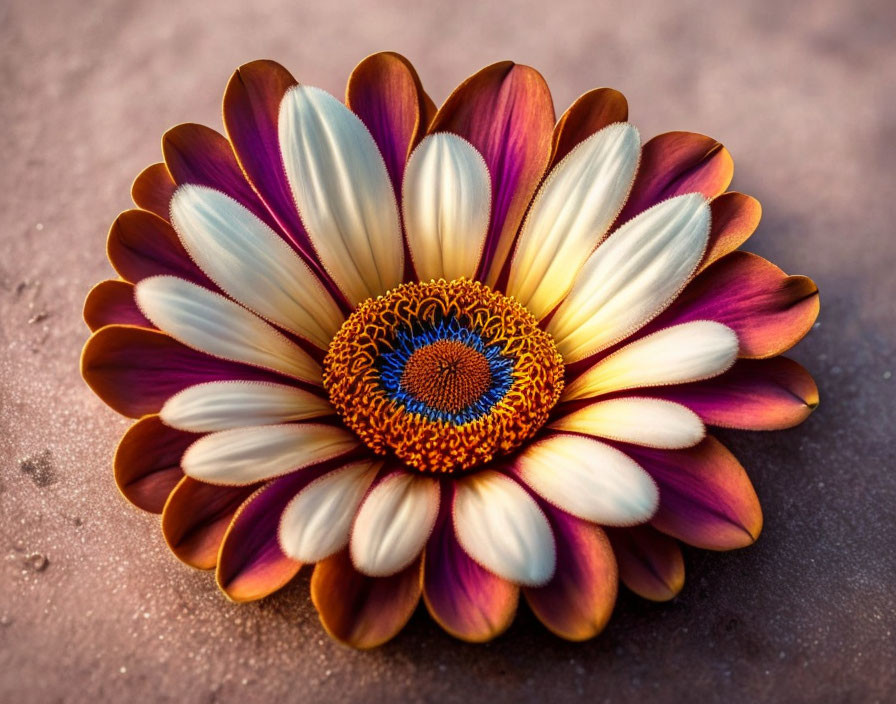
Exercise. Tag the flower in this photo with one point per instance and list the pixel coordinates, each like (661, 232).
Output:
(459, 353)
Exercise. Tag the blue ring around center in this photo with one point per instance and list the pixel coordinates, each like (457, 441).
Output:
(408, 340)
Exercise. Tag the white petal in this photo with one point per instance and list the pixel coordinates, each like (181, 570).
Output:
(343, 192)
(590, 480)
(571, 214)
(318, 521)
(682, 353)
(221, 405)
(632, 276)
(447, 204)
(651, 422)
(502, 528)
(210, 323)
(394, 523)
(253, 264)
(245, 455)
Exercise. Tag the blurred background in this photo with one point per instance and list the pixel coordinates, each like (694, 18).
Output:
(92, 606)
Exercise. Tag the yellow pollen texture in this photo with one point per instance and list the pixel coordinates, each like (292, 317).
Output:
(447, 375)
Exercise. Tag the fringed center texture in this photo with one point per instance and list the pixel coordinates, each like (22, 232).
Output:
(445, 375)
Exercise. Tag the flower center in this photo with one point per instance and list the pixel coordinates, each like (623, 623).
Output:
(445, 375)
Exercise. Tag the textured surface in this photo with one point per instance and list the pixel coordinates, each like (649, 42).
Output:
(92, 605)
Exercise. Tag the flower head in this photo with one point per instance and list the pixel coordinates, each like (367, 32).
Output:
(461, 354)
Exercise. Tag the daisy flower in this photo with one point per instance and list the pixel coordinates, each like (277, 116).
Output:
(463, 354)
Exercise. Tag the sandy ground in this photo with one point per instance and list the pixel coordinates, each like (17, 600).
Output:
(93, 608)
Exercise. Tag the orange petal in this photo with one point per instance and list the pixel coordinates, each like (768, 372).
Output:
(362, 611)
(735, 217)
(706, 498)
(195, 518)
(147, 462)
(590, 113)
(505, 111)
(578, 601)
(675, 163)
(112, 302)
(650, 563)
(152, 190)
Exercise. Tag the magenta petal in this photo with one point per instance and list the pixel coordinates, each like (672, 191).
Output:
(135, 370)
(675, 163)
(112, 302)
(147, 462)
(196, 517)
(141, 244)
(578, 601)
(385, 91)
(706, 498)
(251, 564)
(505, 111)
(769, 311)
(467, 600)
(755, 394)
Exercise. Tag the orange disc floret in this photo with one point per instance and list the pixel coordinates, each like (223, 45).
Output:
(446, 375)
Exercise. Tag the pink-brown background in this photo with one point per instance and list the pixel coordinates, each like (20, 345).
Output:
(93, 608)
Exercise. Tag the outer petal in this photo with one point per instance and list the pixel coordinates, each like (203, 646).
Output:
(577, 603)
(755, 394)
(211, 323)
(502, 528)
(689, 352)
(467, 600)
(196, 154)
(112, 302)
(735, 217)
(385, 91)
(362, 611)
(706, 498)
(650, 422)
(632, 277)
(317, 522)
(222, 405)
(147, 462)
(195, 518)
(152, 190)
(245, 455)
(394, 523)
(141, 245)
(135, 370)
(769, 311)
(251, 108)
(588, 479)
(650, 563)
(505, 111)
(675, 163)
(446, 202)
(251, 563)
(590, 113)
(343, 192)
(253, 264)
(570, 215)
